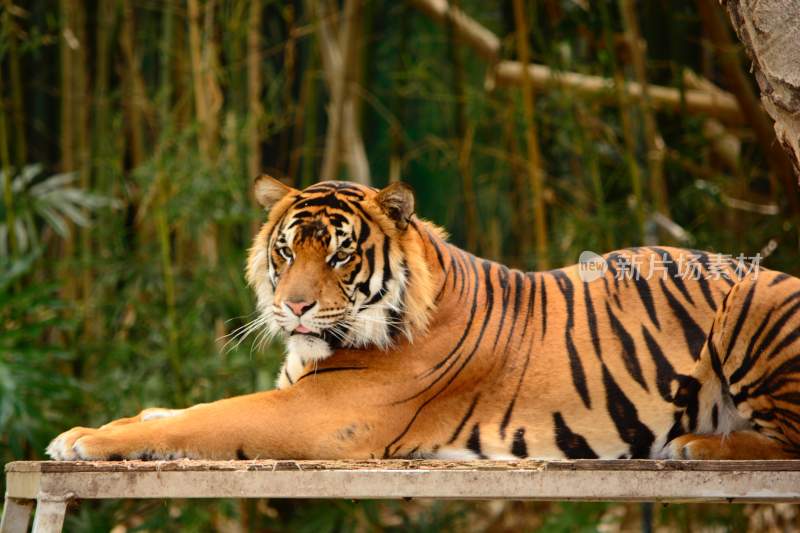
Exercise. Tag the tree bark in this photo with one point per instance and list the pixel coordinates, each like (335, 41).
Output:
(770, 33)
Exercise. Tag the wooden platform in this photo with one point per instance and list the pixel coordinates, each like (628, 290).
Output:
(53, 484)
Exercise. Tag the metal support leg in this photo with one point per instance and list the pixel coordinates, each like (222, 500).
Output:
(49, 516)
(16, 515)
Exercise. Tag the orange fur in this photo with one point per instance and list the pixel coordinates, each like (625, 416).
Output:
(495, 363)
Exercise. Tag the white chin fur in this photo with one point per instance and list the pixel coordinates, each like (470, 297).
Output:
(308, 348)
(301, 350)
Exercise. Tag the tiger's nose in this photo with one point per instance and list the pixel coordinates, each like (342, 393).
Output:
(298, 308)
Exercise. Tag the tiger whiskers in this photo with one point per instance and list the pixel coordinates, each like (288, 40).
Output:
(235, 338)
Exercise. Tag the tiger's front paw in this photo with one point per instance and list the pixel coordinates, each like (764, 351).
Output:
(112, 443)
(62, 448)
(87, 444)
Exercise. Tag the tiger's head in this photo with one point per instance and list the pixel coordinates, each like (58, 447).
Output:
(340, 264)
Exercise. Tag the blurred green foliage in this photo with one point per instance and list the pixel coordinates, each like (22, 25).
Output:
(126, 273)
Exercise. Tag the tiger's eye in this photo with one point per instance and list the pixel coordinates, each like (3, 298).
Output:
(341, 256)
(285, 252)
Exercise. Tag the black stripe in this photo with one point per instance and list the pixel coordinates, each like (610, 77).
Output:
(591, 318)
(328, 200)
(677, 428)
(510, 408)
(363, 235)
(544, 306)
(502, 274)
(626, 418)
(467, 328)
(519, 447)
(780, 278)
(646, 296)
(686, 398)
(695, 337)
(740, 321)
(575, 365)
(776, 329)
(487, 315)
(330, 369)
(702, 259)
(665, 373)
(466, 417)
(515, 282)
(519, 283)
(364, 285)
(324, 186)
(573, 446)
(774, 380)
(788, 340)
(387, 275)
(435, 245)
(474, 442)
(672, 270)
(705, 288)
(629, 356)
(750, 355)
(778, 326)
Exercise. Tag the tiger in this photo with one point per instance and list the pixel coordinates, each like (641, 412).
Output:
(401, 345)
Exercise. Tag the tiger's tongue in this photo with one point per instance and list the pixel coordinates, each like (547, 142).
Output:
(302, 329)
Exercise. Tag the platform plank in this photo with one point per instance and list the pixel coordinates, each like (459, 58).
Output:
(586, 480)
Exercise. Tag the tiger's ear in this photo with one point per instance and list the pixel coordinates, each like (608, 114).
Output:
(397, 201)
(269, 191)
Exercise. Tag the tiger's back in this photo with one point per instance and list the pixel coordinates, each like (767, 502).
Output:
(562, 367)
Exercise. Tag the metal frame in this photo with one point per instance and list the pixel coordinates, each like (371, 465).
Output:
(54, 484)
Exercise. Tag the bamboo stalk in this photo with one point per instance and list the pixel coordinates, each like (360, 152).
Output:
(213, 93)
(198, 85)
(464, 134)
(587, 150)
(332, 60)
(521, 196)
(134, 86)
(101, 165)
(397, 104)
(725, 145)
(353, 142)
(107, 14)
(5, 161)
(290, 72)
(509, 73)
(464, 28)
(309, 103)
(298, 127)
(723, 106)
(162, 220)
(83, 146)
(17, 104)
(68, 43)
(653, 141)
(534, 156)
(629, 138)
(254, 85)
(338, 46)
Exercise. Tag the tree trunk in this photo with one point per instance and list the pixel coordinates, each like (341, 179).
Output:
(770, 33)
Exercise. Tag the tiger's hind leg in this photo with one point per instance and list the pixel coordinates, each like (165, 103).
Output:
(746, 444)
(748, 402)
